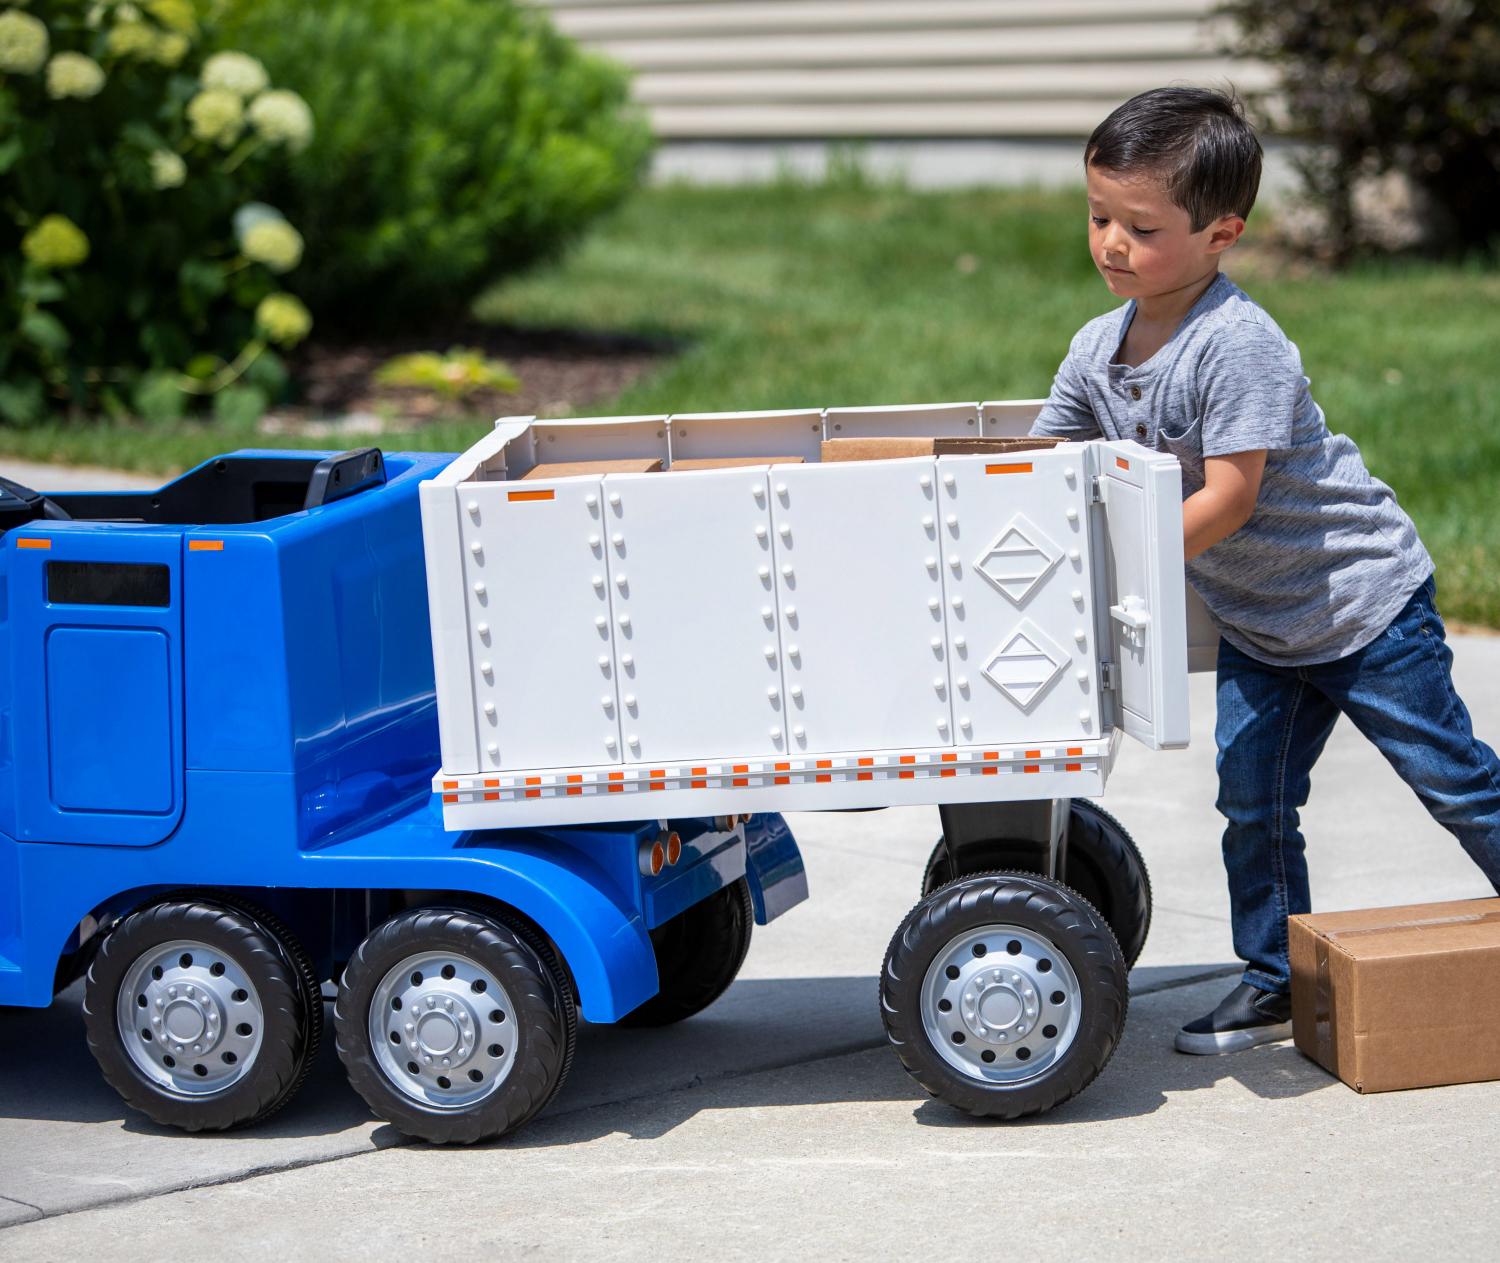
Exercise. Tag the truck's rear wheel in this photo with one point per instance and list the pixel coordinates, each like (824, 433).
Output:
(698, 954)
(202, 1015)
(454, 1027)
(1003, 994)
(1102, 864)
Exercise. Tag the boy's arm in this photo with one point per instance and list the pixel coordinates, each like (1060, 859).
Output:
(1067, 413)
(1230, 487)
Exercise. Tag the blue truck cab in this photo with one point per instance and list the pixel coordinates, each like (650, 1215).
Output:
(217, 740)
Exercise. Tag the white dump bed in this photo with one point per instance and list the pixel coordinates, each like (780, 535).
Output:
(666, 639)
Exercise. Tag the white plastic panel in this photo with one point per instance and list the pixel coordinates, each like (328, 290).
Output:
(537, 560)
(948, 420)
(1144, 590)
(694, 602)
(862, 611)
(1011, 418)
(1019, 591)
(703, 435)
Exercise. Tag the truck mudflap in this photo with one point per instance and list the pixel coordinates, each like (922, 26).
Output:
(773, 867)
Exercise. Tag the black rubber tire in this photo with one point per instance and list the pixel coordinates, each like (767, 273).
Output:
(1103, 865)
(546, 1022)
(698, 954)
(292, 1009)
(1074, 929)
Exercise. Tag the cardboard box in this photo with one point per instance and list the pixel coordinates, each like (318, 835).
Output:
(569, 469)
(894, 447)
(1403, 997)
(732, 462)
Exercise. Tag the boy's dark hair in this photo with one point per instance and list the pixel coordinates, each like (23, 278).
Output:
(1197, 140)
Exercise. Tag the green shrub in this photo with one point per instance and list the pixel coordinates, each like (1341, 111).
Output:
(1409, 88)
(132, 271)
(458, 140)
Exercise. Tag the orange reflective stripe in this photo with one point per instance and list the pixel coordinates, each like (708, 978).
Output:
(205, 545)
(33, 542)
(530, 495)
(1024, 468)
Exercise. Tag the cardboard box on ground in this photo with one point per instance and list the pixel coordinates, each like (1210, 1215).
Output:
(1404, 997)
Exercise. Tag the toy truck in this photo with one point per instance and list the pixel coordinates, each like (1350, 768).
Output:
(495, 741)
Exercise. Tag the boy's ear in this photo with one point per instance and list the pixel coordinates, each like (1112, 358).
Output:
(1224, 232)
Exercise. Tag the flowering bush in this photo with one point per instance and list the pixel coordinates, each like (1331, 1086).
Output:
(137, 270)
(457, 140)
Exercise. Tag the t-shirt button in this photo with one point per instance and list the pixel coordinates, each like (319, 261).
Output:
(1140, 431)
(1135, 392)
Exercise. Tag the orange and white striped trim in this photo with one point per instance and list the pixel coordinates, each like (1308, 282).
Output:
(883, 765)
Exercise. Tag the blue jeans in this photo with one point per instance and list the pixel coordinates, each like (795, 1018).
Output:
(1273, 723)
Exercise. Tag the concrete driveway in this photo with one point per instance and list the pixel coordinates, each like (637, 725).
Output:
(777, 1124)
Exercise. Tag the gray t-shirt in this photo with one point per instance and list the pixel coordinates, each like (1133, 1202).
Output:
(1328, 558)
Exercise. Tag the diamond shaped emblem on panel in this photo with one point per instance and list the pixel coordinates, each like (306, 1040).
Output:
(1024, 664)
(1019, 559)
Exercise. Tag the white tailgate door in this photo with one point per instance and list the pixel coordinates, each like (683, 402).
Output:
(866, 665)
(694, 599)
(539, 620)
(1016, 568)
(1143, 590)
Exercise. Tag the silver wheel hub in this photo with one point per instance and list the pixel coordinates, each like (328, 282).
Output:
(1000, 1004)
(189, 1018)
(443, 1029)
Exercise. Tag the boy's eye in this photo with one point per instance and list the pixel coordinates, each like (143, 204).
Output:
(1098, 220)
(1143, 232)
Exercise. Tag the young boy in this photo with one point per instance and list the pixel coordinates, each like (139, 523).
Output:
(1321, 590)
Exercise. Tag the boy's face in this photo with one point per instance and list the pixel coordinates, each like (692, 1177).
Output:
(1143, 243)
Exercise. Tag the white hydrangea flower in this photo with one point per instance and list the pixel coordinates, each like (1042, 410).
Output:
(282, 117)
(56, 242)
(216, 114)
(168, 170)
(234, 72)
(132, 39)
(273, 242)
(170, 48)
(283, 319)
(73, 74)
(176, 14)
(23, 43)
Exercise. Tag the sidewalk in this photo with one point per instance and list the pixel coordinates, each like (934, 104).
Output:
(777, 1124)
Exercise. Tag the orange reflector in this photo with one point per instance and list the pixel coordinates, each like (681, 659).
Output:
(988, 771)
(822, 780)
(658, 858)
(658, 771)
(533, 780)
(700, 771)
(948, 771)
(674, 847)
(867, 763)
(1122, 462)
(1075, 749)
(205, 545)
(1073, 767)
(450, 784)
(741, 767)
(574, 790)
(491, 798)
(992, 754)
(533, 793)
(697, 784)
(908, 758)
(906, 776)
(825, 763)
(450, 798)
(1033, 754)
(1031, 767)
(33, 543)
(617, 776)
(575, 780)
(657, 785)
(1024, 468)
(783, 767)
(617, 789)
(740, 782)
(492, 784)
(783, 780)
(865, 776)
(530, 495)
(950, 758)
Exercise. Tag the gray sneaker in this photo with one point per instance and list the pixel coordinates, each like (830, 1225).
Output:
(1247, 1016)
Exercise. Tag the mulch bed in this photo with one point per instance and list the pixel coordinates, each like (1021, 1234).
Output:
(561, 371)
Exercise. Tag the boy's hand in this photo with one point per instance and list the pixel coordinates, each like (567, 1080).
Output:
(1230, 487)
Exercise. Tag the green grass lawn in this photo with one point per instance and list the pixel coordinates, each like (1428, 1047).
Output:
(791, 295)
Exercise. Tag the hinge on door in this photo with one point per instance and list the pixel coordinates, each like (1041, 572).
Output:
(1109, 676)
(1096, 490)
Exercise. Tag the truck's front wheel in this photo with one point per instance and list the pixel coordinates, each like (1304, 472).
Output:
(453, 1026)
(1003, 994)
(203, 1015)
